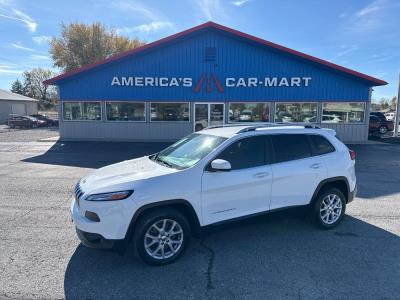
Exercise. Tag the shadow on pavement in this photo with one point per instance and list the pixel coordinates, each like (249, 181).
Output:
(94, 154)
(377, 170)
(275, 256)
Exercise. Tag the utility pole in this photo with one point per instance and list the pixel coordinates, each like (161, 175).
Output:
(396, 120)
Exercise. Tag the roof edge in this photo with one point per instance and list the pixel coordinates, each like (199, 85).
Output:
(210, 24)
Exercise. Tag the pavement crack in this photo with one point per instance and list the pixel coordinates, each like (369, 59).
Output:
(210, 266)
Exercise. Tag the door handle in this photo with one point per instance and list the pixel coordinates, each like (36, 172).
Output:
(315, 166)
(261, 174)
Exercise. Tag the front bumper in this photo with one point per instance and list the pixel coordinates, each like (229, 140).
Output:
(352, 195)
(95, 240)
(114, 218)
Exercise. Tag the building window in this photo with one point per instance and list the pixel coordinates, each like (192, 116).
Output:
(170, 112)
(81, 111)
(126, 111)
(296, 112)
(347, 112)
(248, 112)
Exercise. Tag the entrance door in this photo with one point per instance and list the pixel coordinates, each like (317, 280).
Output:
(208, 114)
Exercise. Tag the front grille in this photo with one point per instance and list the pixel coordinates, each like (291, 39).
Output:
(78, 192)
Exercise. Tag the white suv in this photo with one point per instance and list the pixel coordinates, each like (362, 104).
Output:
(211, 176)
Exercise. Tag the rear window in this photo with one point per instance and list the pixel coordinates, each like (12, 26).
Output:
(321, 145)
(290, 147)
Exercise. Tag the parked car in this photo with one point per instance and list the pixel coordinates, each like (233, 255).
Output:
(380, 126)
(23, 122)
(212, 176)
(378, 114)
(47, 121)
(246, 116)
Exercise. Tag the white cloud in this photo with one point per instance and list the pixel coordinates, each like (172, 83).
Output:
(19, 46)
(345, 50)
(19, 16)
(148, 27)
(39, 57)
(239, 2)
(211, 9)
(372, 17)
(41, 39)
(5, 69)
(370, 8)
(137, 8)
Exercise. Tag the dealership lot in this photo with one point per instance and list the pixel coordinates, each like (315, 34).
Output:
(276, 256)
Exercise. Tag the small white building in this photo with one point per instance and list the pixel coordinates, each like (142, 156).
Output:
(16, 104)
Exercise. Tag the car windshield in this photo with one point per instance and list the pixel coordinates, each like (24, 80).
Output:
(188, 151)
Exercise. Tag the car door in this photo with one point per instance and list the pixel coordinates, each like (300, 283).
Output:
(243, 190)
(296, 172)
(374, 123)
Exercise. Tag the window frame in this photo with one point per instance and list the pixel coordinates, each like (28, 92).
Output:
(298, 122)
(313, 147)
(274, 161)
(268, 157)
(172, 122)
(244, 102)
(344, 123)
(91, 101)
(118, 121)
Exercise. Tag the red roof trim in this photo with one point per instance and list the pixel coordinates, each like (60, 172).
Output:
(222, 28)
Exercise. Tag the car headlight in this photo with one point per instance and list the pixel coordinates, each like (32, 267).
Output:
(109, 196)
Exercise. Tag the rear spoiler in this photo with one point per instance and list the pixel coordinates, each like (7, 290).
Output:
(330, 131)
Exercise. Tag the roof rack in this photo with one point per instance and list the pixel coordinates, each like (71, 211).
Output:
(255, 127)
(236, 125)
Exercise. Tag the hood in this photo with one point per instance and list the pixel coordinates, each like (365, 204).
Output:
(122, 173)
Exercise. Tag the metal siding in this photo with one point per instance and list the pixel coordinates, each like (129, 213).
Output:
(235, 58)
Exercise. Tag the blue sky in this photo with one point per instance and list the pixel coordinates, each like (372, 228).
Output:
(362, 35)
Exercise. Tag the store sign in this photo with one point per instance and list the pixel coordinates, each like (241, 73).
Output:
(208, 82)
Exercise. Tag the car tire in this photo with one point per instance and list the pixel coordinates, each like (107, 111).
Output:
(383, 129)
(198, 127)
(171, 232)
(329, 208)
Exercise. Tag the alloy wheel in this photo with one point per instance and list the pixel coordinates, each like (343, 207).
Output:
(330, 209)
(163, 239)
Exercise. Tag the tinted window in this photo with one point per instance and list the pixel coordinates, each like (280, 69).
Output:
(321, 145)
(245, 153)
(290, 147)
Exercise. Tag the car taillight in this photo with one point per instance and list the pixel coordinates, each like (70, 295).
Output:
(352, 154)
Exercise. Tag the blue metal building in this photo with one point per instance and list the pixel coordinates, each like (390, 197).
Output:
(208, 75)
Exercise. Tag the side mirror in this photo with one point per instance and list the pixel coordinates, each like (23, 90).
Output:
(221, 165)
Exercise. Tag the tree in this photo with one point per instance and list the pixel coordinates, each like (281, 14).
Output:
(393, 103)
(34, 87)
(384, 103)
(17, 87)
(82, 44)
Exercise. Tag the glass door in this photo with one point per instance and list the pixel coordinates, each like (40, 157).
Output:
(208, 114)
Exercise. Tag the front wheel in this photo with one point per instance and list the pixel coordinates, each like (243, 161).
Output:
(161, 236)
(329, 208)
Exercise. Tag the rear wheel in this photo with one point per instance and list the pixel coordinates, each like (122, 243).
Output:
(329, 208)
(383, 129)
(161, 236)
(198, 127)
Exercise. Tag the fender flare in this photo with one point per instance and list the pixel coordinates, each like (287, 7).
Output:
(193, 218)
(331, 180)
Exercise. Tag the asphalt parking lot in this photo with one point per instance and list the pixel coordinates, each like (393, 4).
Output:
(271, 257)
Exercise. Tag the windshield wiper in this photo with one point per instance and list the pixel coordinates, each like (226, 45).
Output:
(163, 162)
